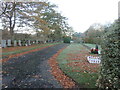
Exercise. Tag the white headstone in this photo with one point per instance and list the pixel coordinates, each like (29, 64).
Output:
(29, 42)
(36, 41)
(19, 43)
(3, 44)
(15, 43)
(99, 52)
(33, 42)
(9, 43)
(26, 44)
(44, 41)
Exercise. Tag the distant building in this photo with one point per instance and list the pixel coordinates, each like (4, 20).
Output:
(119, 9)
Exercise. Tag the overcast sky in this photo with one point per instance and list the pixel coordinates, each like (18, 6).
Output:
(82, 13)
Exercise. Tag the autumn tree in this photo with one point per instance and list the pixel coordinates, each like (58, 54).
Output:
(19, 13)
(39, 16)
(94, 33)
(9, 16)
(78, 37)
(54, 25)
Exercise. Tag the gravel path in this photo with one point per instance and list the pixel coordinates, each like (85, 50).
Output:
(30, 70)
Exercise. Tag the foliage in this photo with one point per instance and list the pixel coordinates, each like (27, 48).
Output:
(40, 16)
(66, 39)
(110, 66)
(77, 37)
(9, 16)
(94, 34)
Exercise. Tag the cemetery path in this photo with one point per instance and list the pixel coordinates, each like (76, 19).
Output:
(30, 70)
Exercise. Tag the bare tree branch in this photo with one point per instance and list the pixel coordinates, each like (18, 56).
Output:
(4, 10)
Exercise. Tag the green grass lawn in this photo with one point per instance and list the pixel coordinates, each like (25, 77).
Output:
(86, 79)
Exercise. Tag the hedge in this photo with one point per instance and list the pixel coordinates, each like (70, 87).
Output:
(67, 39)
(109, 77)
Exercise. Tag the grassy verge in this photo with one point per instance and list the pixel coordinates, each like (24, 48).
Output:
(10, 52)
(26, 48)
(73, 62)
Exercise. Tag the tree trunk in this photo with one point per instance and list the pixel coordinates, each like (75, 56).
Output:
(12, 23)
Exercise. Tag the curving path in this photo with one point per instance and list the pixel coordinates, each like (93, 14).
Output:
(30, 70)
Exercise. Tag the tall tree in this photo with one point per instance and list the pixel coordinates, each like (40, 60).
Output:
(41, 16)
(94, 33)
(9, 16)
(18, 13)
(55, 24)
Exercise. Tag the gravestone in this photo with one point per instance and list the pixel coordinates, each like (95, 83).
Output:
(15, 43)
(99, 51)
(9, 43)
(36, 41)
(51, 40)
(3, 43)
(26, 42)
(33, 42)
(29, 42)
(23, 43)
(45, 42)
(19, 43)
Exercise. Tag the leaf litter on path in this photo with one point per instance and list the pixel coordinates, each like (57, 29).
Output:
(64, 80)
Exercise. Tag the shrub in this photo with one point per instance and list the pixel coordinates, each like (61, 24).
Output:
(66, 39)
(109, 77)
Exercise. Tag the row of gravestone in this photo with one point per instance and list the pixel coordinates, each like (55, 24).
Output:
(9, 43)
